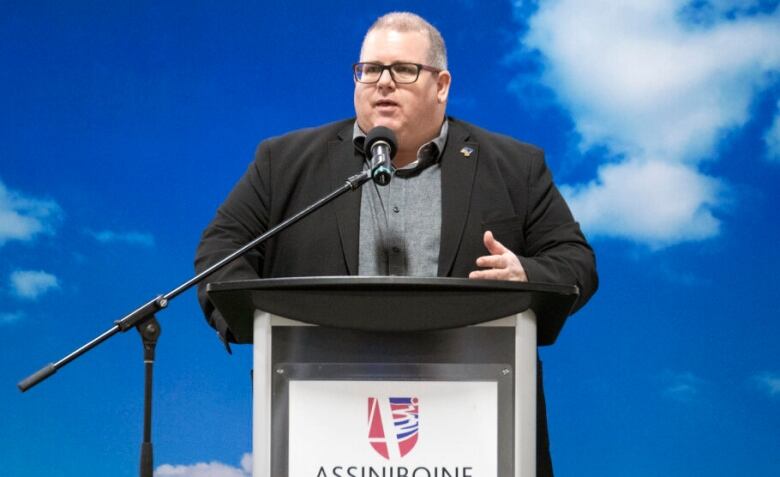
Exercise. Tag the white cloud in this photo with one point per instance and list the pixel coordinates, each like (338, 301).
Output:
(8, 318)
(22, 218)
(769, 382)
(211, 469)
(30, 284)
(674, 200)
(132, 238)
(772, 138)
(654, 88)
(682, 386)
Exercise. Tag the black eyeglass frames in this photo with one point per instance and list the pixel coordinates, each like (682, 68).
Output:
(402, 73)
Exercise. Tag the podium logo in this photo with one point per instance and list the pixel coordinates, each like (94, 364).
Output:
(403, 432)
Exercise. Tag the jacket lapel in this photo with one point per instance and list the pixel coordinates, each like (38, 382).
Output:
(458, 166)
(345, 162)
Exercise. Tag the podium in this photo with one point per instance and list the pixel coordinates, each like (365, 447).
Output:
(393, 376)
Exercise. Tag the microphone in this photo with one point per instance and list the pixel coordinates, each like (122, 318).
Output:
(381, 147)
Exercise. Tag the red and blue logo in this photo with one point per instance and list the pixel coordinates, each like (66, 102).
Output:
(405, 413)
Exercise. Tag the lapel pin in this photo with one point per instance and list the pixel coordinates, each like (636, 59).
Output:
(466, 151)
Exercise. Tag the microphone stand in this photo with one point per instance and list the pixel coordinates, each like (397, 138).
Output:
(144, 320)
(150, 331)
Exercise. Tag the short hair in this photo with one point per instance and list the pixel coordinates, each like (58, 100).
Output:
(406, 22)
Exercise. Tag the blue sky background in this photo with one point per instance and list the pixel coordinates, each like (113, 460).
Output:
(124, 125)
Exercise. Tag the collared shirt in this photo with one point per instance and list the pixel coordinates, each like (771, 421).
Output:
(400, 223)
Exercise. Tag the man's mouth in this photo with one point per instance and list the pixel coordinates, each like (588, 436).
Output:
(385, 103)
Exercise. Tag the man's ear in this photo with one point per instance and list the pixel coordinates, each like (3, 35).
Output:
(443, 86)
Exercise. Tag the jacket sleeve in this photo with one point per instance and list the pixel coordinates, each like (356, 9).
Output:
(240, 219)
(556, 250)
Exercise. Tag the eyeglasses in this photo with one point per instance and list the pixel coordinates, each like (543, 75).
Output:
(402, 73)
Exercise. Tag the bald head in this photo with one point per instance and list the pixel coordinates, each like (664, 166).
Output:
(405, 22)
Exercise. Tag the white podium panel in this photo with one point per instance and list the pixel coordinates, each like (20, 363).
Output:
(392, 428)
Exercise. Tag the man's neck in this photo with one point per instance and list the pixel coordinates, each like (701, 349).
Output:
(404, 158)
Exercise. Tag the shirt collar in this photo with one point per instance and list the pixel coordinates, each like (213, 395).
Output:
(429, 153)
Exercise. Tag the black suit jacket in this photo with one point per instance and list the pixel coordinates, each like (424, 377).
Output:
(496, 184)
(502, 185)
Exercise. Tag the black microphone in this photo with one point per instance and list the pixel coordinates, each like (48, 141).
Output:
(381, 147)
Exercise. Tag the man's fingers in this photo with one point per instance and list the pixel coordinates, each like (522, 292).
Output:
(492, 261)
(491, 274)
(502, 264)
(494, 246)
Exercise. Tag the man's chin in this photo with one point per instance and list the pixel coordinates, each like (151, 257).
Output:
(390, 123)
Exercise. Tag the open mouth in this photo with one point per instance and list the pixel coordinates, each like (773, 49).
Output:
(386, 103)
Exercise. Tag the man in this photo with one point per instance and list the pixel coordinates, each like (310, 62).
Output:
(464, 202)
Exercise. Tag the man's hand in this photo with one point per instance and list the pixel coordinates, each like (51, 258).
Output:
(501, 264)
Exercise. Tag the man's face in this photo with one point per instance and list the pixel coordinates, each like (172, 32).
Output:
(413, 111)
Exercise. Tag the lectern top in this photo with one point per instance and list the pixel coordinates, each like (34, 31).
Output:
(391, 304)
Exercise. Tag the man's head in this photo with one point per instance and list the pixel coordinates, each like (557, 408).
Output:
(414, 111)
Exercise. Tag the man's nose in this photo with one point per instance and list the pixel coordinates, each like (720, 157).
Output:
(386, 79)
